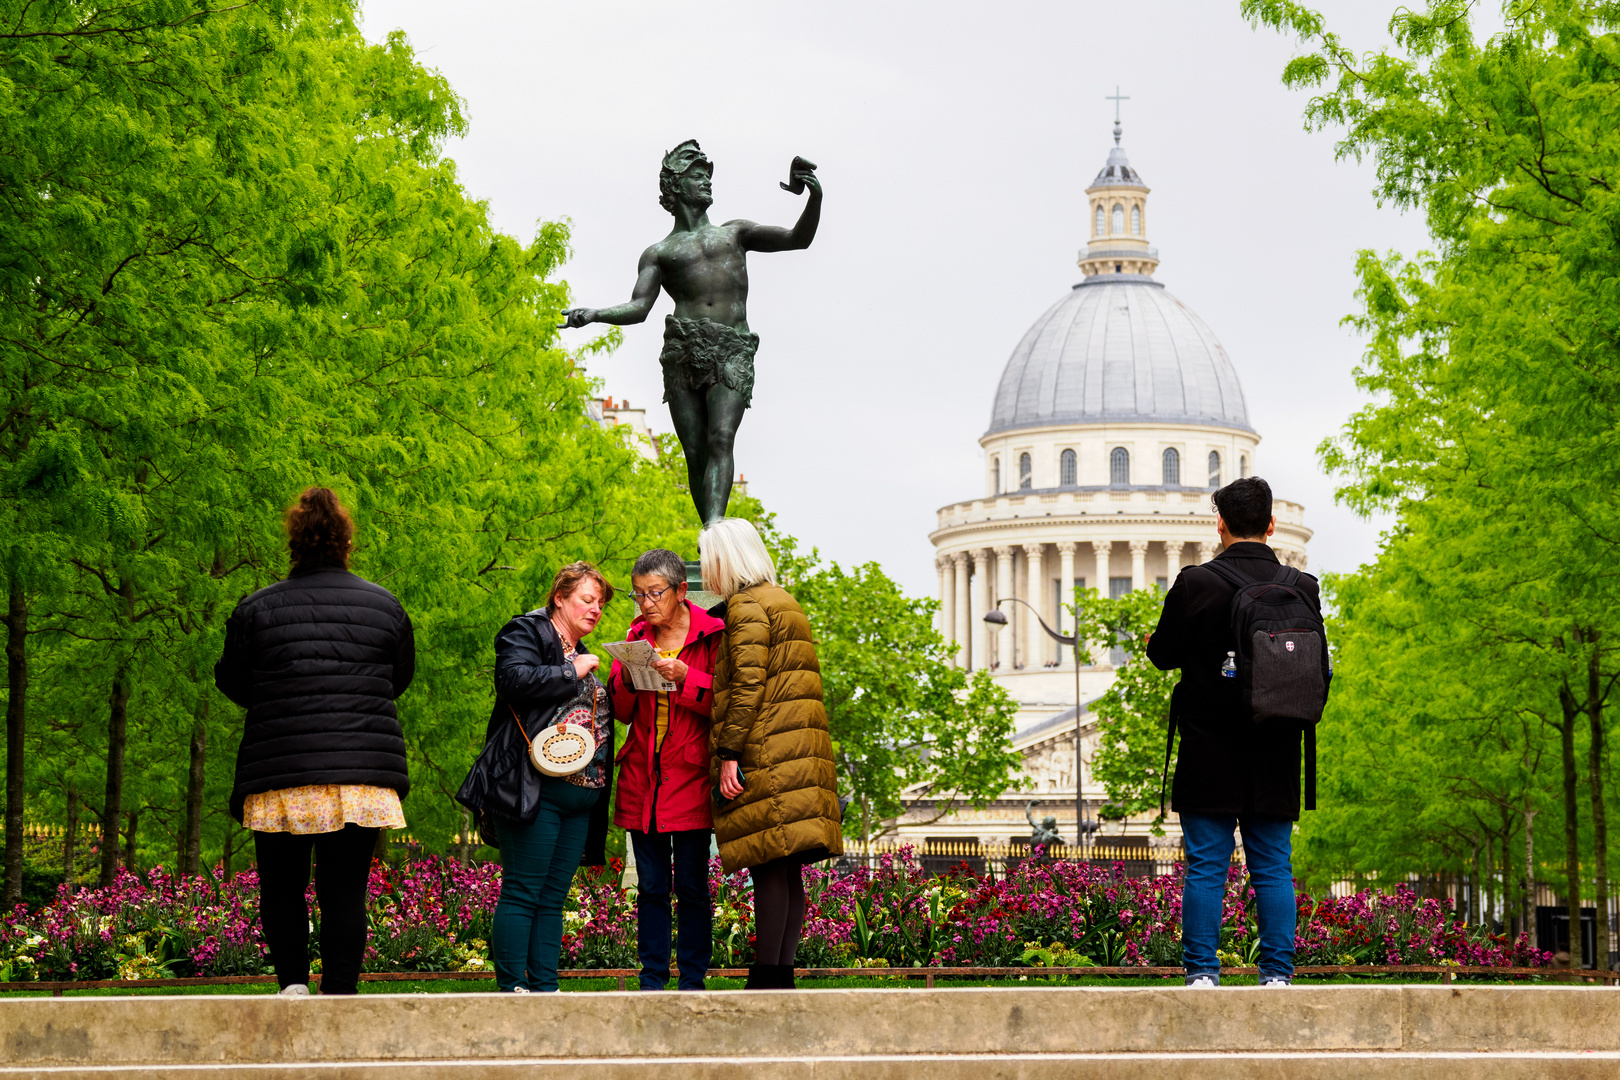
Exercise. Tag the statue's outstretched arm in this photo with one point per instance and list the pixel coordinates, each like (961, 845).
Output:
(774, 237)
(642, 298)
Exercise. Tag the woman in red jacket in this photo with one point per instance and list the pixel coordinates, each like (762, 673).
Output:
(663, 784)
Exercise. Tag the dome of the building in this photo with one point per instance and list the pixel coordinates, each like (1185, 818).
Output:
(1119, 348)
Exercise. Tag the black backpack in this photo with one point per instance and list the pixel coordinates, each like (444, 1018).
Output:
(1282, 662)
(1283, 668)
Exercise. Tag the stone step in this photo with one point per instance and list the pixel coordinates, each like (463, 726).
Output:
(1239, 1032)
(1233, 1066)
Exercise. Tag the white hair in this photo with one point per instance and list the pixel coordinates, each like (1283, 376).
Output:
(733, 557)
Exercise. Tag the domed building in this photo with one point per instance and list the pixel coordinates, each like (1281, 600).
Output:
(1116, 416)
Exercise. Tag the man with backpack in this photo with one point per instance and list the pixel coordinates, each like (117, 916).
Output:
(1246, 632)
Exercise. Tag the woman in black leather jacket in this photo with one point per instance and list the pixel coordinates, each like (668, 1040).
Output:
(540, 665)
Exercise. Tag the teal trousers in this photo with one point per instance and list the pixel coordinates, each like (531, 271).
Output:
(537, 866)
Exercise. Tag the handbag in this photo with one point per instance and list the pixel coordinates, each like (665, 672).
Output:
(566, 745)
(502, 783)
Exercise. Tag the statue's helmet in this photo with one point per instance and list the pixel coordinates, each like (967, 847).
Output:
(676, 162)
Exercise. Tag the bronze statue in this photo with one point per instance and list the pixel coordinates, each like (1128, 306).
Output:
(1046, 833)
(708, 356)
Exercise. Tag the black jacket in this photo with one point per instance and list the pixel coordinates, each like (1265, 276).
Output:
(1227, 763)
(317, 660)
(532, 677)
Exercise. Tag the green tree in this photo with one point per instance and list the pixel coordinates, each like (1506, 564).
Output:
(238, 264)
(1133, 714)
(1493, 364)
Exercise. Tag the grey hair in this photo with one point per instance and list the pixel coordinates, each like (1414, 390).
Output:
(734, 557)
(663, 562)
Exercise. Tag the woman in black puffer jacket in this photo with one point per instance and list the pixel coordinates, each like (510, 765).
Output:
(317, 660)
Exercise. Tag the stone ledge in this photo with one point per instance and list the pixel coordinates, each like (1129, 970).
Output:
(1125, 1066)
(819, 1024)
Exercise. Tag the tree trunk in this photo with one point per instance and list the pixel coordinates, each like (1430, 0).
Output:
(70, 841)
(112, 806)
(1572, 838)
(1476, 874)
(191, 850)
(16, 620)
(1527, 907)
(230, 842)
(134, 817)
(1600, 821)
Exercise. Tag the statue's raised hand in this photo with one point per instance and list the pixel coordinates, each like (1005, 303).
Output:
(574, 318)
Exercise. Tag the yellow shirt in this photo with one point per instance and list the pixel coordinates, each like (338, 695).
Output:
(661, 718)
(323, 808)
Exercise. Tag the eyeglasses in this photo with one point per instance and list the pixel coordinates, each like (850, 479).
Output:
(650, 597)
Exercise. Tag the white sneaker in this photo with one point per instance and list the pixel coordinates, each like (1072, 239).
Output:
(295, 990)
(521, 990)
(1202, 982)
(1277, 981)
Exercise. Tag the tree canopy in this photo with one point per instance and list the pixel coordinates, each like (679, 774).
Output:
(235, 264)
(1477, 654)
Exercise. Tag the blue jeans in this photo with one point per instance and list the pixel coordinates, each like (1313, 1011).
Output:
(689, 853)
(537, 866)
(1268, 847)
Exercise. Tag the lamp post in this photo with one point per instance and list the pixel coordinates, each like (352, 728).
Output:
(1083, 825)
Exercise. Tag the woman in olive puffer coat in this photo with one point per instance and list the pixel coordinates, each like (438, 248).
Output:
(773, 768)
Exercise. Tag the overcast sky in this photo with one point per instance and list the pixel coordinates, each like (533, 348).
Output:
(954, 143)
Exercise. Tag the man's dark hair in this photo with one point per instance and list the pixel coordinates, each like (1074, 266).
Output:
(1246, 506)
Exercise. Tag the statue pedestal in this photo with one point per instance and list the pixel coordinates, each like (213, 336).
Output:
(695, 591)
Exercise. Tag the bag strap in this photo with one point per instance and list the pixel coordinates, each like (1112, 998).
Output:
(1229, 573)
(1169, 746)
(519, 724)
(1310, 766)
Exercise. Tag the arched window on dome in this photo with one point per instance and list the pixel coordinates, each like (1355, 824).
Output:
(1136, 221)
(1243, 465)
(1172, 468)
(1214, 469)
(1067, 469)
(1026, 472)
(1119, 466)
(1119, 220)
(995, 475)
(1099, 219)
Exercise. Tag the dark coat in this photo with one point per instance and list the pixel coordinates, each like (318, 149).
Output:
(532, 677)
(317, 660)
(677, 772)
(769, 715)
(1227, 764)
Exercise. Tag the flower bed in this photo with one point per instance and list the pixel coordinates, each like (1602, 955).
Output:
(436, 915)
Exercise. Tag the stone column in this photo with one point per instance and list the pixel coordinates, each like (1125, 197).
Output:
(981, 604)
(1172, 561)
(1034, 636)
(963, 608)
(1100, 549)
(1004, 587)
(1208, 550)
(1065, 621)
(1138, 564)
(947, 597)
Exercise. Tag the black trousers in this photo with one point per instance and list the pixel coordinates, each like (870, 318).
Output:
(342, 868)
(778, 909)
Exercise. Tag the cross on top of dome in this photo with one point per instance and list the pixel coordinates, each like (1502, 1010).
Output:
(1116, 97)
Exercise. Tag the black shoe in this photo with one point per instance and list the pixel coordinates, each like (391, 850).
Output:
(782, 977)
(759, 977)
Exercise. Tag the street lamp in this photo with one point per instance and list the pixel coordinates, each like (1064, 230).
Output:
(1083, 825)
